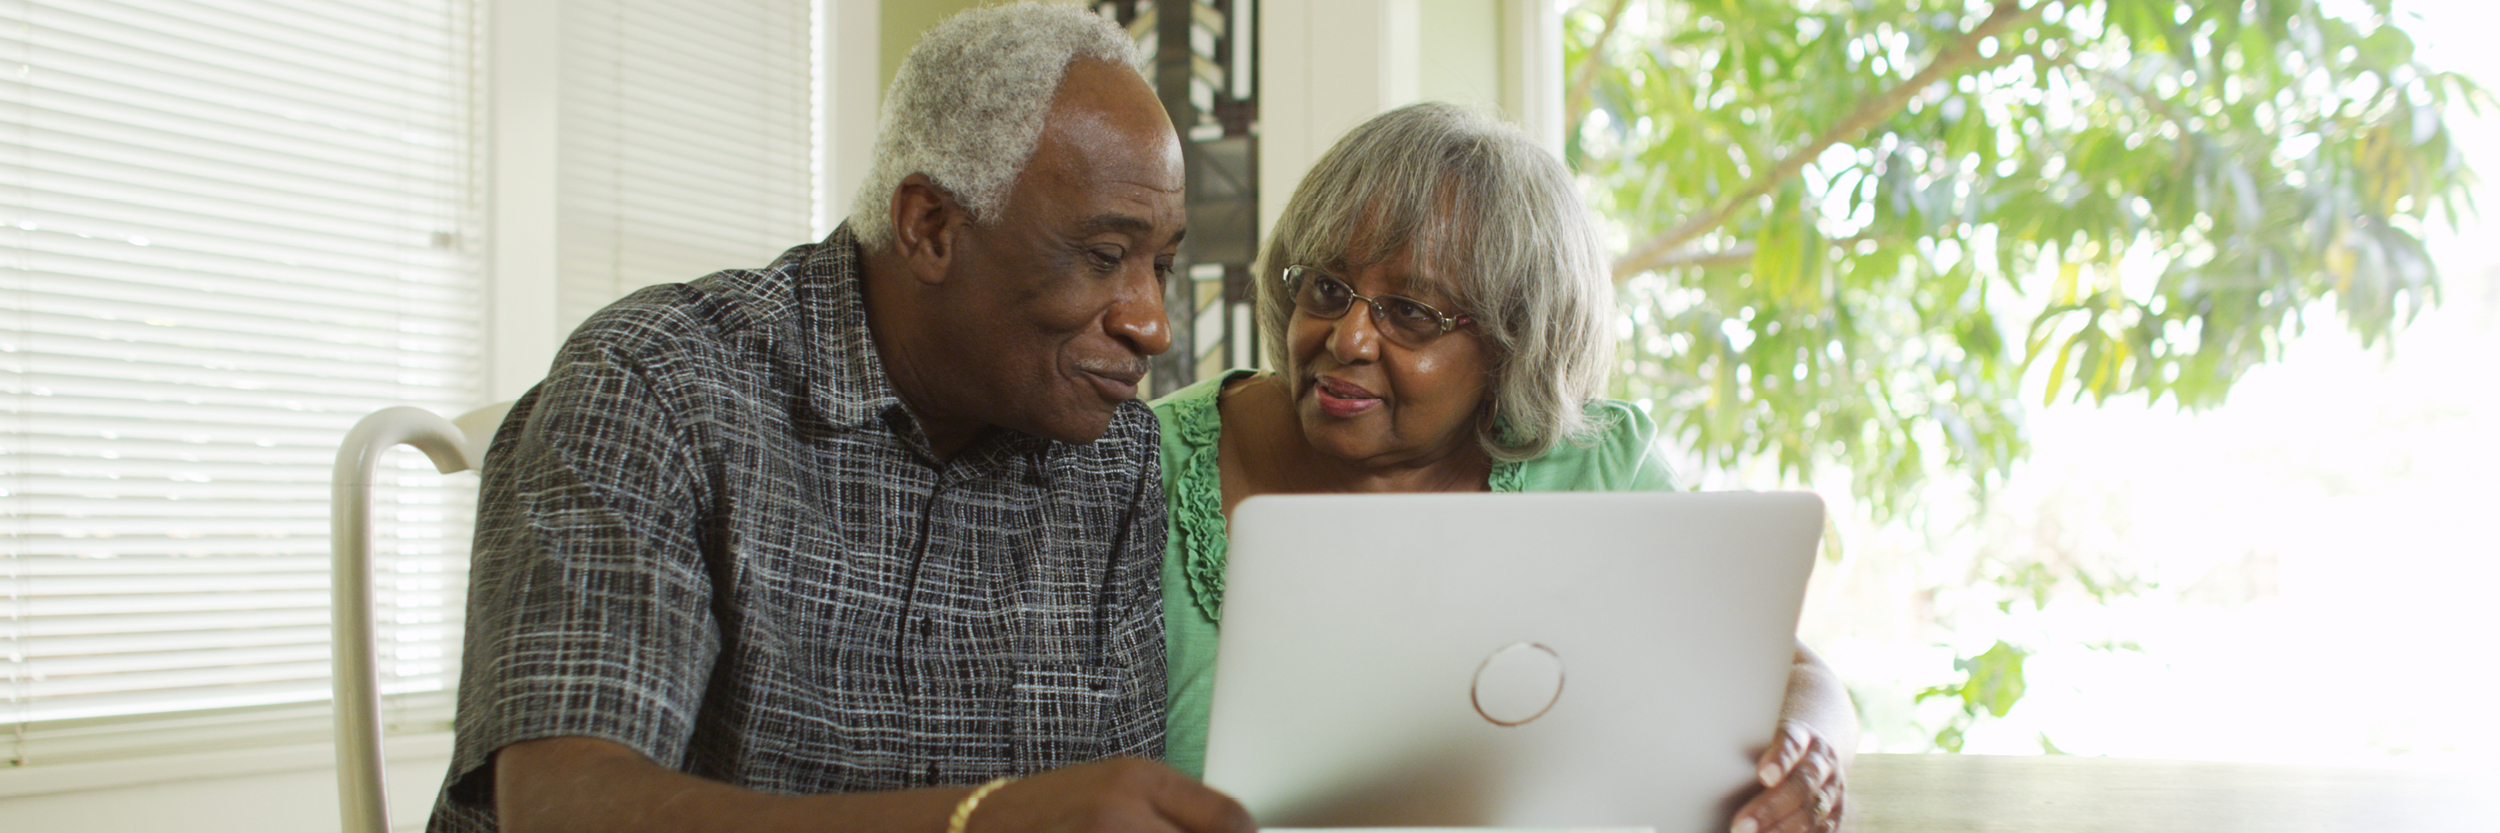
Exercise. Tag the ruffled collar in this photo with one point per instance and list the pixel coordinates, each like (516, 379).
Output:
(1197, 488)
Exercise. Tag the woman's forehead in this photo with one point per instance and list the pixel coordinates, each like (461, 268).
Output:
(1423, 237)
(1406, 273)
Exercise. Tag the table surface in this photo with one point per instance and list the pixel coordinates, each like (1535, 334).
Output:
(2067, 794)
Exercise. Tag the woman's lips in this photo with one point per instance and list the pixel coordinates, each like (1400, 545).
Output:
(1340, 398)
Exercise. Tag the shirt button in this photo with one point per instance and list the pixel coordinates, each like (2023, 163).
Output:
(931, 773)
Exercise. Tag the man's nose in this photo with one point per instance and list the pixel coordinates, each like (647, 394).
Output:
(1136, 317)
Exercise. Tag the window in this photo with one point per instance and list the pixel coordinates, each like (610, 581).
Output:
(232, 229)
(2288, 574)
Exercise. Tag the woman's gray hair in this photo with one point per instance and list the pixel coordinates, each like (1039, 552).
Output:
(1491, 221)
(967, 106)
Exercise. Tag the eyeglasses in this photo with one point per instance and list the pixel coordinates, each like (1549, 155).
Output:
(1406, 321)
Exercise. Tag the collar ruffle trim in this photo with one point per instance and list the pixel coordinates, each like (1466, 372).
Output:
(1198, 497)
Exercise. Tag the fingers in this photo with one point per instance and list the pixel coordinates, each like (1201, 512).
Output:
(1193, 807)
(1121, 795)
(1806, 798)
(1825, 793)
(1791, 745)
(1771, 809)
(1792, 807)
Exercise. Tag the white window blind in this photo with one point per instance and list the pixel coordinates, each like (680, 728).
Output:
(228, 230)
(686, 135)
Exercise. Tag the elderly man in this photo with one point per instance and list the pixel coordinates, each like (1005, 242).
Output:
(825, 545)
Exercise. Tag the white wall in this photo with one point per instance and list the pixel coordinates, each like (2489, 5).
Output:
(1327, 65)
(1458, 51)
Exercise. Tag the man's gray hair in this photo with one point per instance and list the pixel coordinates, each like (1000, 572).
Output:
(1491, 221)
(967, 106)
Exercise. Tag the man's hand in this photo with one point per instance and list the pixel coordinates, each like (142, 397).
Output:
(1121, 795)
(553, 785)
(1803, 782)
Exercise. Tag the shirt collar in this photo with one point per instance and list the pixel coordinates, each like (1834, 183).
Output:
(848, 384)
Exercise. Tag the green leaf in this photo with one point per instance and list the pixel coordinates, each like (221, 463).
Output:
(1996, 679)
(2057, 369)
(1949, 738)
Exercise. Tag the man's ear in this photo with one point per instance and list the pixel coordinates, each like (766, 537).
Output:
(926, 219)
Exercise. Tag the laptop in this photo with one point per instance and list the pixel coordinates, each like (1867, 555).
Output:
(1564, 659)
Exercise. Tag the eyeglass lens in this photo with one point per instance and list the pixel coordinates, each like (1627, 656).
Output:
(1405, 320)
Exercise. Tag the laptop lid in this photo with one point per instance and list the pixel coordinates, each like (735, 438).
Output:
(1564, 659)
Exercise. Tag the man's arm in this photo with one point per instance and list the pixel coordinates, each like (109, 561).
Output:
(566, 784)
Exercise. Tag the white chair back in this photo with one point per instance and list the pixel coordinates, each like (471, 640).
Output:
(453, 445)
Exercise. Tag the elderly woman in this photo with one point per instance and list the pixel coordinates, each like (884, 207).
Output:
(1437, 304)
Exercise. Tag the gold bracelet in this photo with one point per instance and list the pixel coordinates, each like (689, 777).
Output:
(963, 809)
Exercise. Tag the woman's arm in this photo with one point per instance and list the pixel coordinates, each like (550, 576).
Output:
(1804, 771)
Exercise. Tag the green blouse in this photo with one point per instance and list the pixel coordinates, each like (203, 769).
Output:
(1619, 459)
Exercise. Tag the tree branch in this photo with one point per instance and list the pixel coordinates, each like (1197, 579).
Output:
(1961, 55)
(1740, 253)
(1576, 102)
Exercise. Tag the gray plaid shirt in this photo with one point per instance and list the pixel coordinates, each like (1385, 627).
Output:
(714, 535)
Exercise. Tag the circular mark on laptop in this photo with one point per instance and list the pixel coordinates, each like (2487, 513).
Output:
(1517, 684)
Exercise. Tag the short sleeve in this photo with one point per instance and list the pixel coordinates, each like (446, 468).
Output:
(1623, 455)
(589, 603)
(1637, 439)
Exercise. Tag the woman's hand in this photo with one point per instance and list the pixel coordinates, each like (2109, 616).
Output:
(1804, 772)
(1803, 777)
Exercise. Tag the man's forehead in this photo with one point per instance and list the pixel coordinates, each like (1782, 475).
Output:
(1132, 132)
(1106, 130)
(1091, 84)
(1095, 154)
